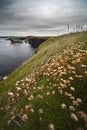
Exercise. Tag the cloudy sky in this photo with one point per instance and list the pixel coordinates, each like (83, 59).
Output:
(40, 17)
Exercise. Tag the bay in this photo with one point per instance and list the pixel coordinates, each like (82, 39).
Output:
(13, 55)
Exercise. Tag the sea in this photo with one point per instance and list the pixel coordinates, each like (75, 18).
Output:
(13, 55)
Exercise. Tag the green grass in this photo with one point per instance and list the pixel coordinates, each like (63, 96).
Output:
(53, 114)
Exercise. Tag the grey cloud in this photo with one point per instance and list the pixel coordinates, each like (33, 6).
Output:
(40, 16)
(4, 3)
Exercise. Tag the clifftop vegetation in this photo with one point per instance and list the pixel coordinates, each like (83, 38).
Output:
(49, 91)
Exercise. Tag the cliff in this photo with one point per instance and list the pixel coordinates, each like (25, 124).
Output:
(48, 91)
(36, 41)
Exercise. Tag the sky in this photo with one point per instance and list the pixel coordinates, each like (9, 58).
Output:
(40, 17)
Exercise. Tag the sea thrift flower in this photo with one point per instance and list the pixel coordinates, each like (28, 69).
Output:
(17, 95)
(34, 88)
(74, 117)
(22, 84)
(72, 108)
(31, 97)
(51, 127)
(72, 98)
(70, 78)
(73, 72)
(32, 110)
(40, 111)
(40, 88)
(18, 89)
(82, 115)
(79, 100)
(85, 73)
(25, 117)
(26, 79)
(10, 94)
(83, 66)
(48, 93)
(72, 88)
(40, 96)
(12, 99)
(26, 108)
(1, 108)
(25, 92)
(78, 61)
(60, 91)
(18, 82)
(53, 92)
(75, 103)
(63, 106)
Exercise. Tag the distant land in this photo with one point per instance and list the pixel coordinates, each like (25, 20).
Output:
(35, 41)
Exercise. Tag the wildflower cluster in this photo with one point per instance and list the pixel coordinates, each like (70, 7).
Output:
(62, 73)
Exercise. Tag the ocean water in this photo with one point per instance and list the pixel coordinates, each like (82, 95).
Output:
(13, 55)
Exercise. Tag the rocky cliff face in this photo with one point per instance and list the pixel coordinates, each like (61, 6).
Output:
(36, 41)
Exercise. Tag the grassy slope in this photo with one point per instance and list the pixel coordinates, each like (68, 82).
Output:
(51, 47)
(47, 49)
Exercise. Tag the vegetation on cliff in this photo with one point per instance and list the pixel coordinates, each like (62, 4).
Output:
(49, 91)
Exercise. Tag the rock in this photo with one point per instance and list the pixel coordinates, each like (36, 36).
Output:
(15, 40)
(36, 41)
